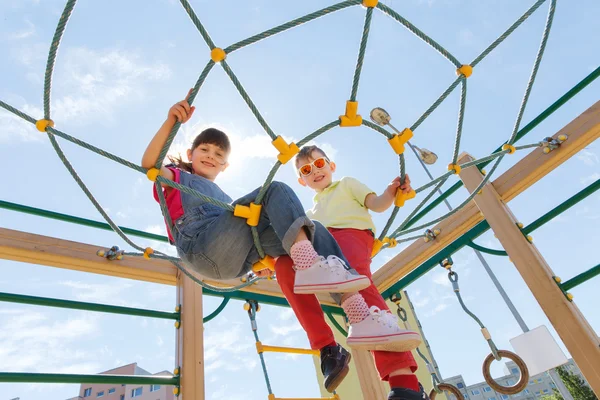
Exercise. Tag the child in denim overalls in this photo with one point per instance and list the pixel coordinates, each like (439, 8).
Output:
(218, 245)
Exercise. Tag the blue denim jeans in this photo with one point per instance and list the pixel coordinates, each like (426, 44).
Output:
(219, 245)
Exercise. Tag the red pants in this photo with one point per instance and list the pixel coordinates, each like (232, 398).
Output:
(357, 246)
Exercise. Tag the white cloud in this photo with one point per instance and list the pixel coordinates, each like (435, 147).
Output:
(589, 158)
(284, 330)
(98, 292)
(24, 33)
(286, 314)
(436, 310)
(31, 342)
(156, 229)
(441, 278)
(16, 127)
(589, 179)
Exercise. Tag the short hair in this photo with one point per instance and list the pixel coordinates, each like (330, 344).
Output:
(306, 152)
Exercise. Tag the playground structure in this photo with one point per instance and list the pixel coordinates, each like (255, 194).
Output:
(484, 208)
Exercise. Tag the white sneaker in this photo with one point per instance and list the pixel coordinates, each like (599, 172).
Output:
(328, 276)
(380, 331)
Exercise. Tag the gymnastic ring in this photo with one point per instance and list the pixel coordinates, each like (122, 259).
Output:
(446, 387)
(520, 385)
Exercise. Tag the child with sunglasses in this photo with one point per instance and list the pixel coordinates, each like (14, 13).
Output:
(343, 207)
(218, 244)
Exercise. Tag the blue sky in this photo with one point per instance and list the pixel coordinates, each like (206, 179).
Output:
(120, 67)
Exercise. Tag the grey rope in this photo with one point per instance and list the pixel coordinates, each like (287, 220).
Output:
(361, 53)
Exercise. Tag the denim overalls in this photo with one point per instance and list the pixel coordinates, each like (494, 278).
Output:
(219, 245)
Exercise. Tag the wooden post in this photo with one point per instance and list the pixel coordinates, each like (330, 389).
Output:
(371, 386)
(190, 339)
(575, 332)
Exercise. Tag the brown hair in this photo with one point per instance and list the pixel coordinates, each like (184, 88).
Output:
(306, 152)
(209, 136)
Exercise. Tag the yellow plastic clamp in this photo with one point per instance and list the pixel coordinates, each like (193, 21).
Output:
(351, 118)
(370, 3)
(401, 197)
(569, 297)
(176, 371)
(252, 213)
(557, 279)
(398, 141)
(454, 167)
(520, 225)
(286, 151)
(177, 324)
(148, 252)
(217, 54)
(246, 306)
(378, 244)
(153, 173)
(42, 124)
(176, 391)
(465, 70)
(178, 309)
(511, 149)
(529, 238)
(266, 263)
(259, 348)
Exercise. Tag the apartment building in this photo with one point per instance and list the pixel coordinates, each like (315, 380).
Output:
(538, 386)
(126, 392)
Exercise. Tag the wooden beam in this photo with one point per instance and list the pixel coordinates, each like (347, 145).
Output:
(570, 324)
(190, 339)
(582, 131)
(370, 384)
(60, 253)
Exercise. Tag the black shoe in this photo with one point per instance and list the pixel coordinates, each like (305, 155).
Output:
(408, 394)
(334, 365)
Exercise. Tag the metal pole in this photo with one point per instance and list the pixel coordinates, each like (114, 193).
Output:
(553, 374)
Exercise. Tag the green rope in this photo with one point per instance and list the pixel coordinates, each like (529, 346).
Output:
(175, 129)
(188, 8)
(361, 53)
(248, 100)
(510, 30)
(435, 104)
(418, 33)
(60, 29)
(218, 310)
(536, 66)
(483, 249)
(461, 116)
(336, 324)
(292, 24)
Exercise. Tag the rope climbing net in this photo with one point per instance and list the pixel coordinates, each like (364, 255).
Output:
(287, 151)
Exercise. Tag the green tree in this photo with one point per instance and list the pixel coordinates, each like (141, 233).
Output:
(576, 386)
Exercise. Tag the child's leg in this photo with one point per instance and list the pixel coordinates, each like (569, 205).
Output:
(396, 367)
(282, 211)
(306, 306)
(334, 358)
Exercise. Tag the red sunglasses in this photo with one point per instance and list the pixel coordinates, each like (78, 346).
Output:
(307, 169)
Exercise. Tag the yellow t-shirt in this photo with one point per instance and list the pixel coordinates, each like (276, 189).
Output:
(342, 205)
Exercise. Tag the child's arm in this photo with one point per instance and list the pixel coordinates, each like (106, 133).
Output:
(181, 112)
(386, 199)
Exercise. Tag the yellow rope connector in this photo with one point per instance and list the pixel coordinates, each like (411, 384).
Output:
(153, 173)
(148, 252)
(259, 348)
(454, 167)
(252, 213)
(370, 3)
(266, 263)
(378, 244)
(398, 141)
(569, 296)
(217, 54)
(511, 149)
(286, 151)
(465, 70)
(42, 124)
(401, 197)
(351, 118)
